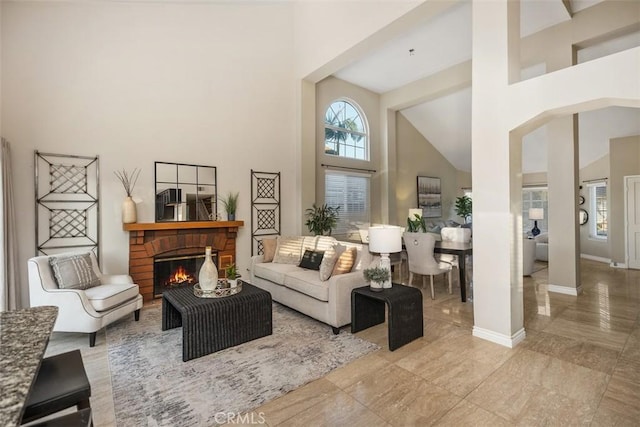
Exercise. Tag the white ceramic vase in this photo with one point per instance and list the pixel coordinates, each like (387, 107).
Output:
(208, 276)
(129, 213)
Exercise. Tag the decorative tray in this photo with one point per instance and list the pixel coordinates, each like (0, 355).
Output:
(221, 291)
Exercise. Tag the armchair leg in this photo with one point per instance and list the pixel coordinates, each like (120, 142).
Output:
(92, 339)
(433, 294)
(136, 314)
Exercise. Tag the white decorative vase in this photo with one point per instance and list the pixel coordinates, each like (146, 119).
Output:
(129, 213)
(208, 276)
(233, 283)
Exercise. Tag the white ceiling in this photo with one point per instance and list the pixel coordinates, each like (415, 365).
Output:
(446, 121)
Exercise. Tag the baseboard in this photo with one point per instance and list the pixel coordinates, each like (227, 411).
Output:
(615, 264)
(504, 340)
(565, 290)
(595, 258)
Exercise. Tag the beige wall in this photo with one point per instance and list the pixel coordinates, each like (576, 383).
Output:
(327, 91)
(624, 160)
(417, 157)
(589, 246)
(135, 83)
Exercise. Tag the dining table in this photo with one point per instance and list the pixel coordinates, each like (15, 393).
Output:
(460, 249)
(24, 336)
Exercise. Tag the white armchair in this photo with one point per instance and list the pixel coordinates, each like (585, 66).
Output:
(83, 310)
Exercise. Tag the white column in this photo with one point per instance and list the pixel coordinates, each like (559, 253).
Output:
(562, 176)
(496, 174)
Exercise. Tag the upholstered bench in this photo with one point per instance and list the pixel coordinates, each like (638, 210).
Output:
(60, 384)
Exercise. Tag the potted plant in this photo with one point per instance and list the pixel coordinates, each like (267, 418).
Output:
(322, 219)
(463, 207)
(230, 203)
(376, 276)
(416, 225)
(231, 272)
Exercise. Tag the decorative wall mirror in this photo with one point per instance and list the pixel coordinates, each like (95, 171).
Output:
(185, 192)
(584, 217)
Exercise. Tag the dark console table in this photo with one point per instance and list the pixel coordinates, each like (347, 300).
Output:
(405, 312)
(213, 324)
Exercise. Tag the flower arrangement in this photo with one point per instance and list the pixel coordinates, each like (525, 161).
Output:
(128, 180)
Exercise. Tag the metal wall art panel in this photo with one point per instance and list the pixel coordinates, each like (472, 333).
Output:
(265, 208)
(67, 209)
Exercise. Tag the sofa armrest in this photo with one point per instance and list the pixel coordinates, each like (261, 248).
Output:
(340, 288)
(116, 279)
(256, 259)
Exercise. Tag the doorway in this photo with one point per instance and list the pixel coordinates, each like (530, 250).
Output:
(632, 212)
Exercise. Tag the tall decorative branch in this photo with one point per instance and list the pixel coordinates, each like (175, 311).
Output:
(128, 180)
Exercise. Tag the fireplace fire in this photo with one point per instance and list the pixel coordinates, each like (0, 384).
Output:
(175, 272)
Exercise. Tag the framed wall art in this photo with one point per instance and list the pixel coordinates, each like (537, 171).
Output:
(429, 197)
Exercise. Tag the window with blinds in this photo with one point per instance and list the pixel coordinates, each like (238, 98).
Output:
(349, 191)
(598, 210)
(535, 197)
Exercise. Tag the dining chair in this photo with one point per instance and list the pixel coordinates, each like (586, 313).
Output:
(454, 234)
(421, 261)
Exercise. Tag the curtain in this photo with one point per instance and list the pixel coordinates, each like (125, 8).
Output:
(9, 287)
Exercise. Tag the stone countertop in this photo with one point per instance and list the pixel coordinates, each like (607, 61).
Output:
(24, 335)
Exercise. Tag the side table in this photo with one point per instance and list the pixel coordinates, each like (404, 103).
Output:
(405, 312)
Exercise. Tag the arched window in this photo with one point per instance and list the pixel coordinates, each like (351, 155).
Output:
(345, 131)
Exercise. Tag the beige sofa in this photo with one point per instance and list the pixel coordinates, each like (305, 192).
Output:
(328, 301)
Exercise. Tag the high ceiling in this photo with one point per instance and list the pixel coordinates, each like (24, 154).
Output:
(446, 121)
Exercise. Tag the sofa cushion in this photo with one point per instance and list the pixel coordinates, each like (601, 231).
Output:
(345, 262)
(105, 297)
(288, 250)
(74, 271)
(329, 260)
(311, 259)
(307, 282)
(269, 249)
(274, 272)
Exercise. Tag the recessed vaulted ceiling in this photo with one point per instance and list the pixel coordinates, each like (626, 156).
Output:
(446, 122)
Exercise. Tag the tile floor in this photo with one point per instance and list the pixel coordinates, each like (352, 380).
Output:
(579, 365)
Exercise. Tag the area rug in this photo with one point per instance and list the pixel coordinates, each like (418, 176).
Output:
(152, 385)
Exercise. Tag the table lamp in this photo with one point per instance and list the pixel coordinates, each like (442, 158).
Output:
(385, 239)
(535, 214)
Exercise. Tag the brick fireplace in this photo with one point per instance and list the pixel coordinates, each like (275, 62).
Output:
(149, 241)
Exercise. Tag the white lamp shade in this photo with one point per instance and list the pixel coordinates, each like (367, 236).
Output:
(385, 239)
(536, 213)
(413, 212)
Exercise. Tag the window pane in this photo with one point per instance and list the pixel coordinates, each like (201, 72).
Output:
(345, 133)
(534, 198)
(351, 193)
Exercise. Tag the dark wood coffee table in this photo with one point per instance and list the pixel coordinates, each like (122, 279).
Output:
(213, 324)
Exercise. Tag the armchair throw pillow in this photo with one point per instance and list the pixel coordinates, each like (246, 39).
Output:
(74, 271)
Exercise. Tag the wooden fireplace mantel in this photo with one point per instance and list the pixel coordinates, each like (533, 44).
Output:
(152, 240)
(180, 225)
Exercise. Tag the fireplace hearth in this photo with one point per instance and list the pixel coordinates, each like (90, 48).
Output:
(162, 240)
(177, 272)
